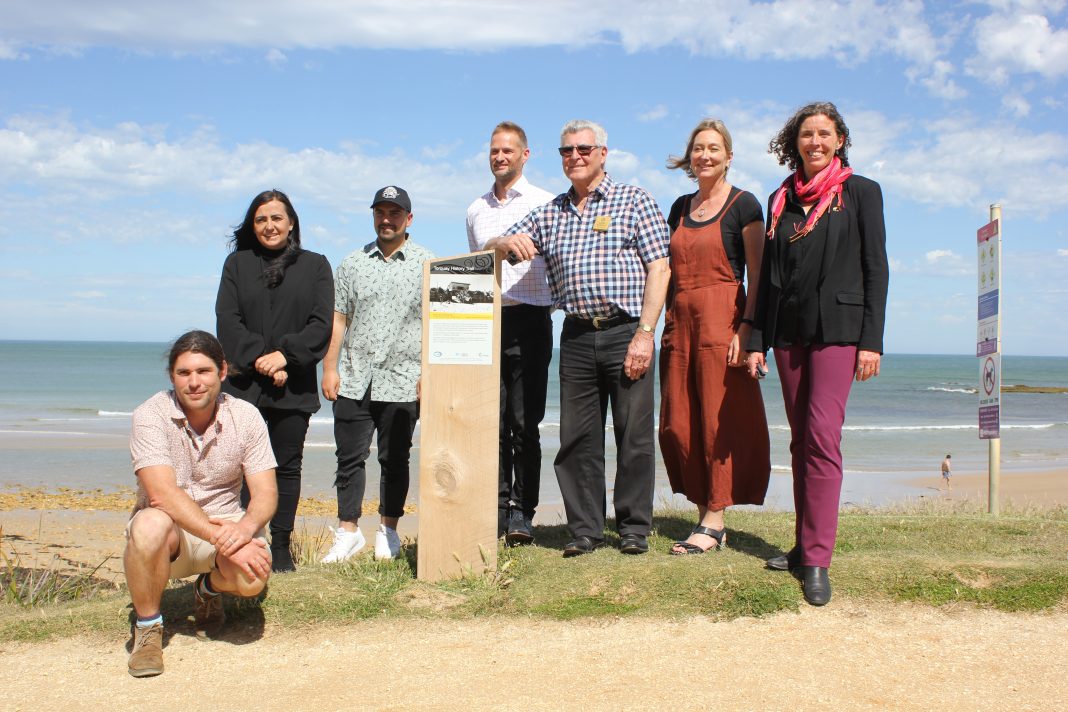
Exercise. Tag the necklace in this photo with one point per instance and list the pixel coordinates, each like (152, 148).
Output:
(701, 208)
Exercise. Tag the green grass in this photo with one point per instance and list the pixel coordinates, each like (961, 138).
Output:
(928, 555)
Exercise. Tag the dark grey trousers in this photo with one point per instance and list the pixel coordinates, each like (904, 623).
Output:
(591, 381)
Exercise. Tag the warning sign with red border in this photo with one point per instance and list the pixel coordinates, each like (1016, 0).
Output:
(990, 397)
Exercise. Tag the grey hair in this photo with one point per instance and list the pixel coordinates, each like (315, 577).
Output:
(576, 125)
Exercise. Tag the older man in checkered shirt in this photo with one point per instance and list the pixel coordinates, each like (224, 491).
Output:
(605, 246)
(526, 332)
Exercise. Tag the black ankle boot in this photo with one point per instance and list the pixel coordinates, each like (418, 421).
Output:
(816, 584)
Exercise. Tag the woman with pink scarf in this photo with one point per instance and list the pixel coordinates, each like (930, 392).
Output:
(821, 306)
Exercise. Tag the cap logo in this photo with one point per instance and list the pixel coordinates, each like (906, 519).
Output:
(389, 193)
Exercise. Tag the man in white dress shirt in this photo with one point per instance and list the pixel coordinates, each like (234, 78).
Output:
(526, 332)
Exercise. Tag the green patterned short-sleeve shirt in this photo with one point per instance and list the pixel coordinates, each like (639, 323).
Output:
(383, 300)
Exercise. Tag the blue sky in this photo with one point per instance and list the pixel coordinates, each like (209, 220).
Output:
(132, 136)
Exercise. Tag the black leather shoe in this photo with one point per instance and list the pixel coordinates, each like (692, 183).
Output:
(281, 559)
(816, 584)
(502, 522)
(785, 562)
(633, 544)
(520, 529)
(581, 545)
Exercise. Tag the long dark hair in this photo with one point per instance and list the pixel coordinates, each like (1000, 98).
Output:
(784, 145)
(198, 342)
(244, 237)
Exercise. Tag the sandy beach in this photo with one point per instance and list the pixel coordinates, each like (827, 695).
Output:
(1018, 488)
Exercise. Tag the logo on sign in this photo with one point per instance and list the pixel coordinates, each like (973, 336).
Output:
(989, 377)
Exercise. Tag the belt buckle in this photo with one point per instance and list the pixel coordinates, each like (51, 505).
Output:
(598, 320)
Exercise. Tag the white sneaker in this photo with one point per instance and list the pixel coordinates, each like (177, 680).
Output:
(387, 543)
(346, 545)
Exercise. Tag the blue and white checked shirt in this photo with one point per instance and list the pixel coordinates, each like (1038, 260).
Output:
(598, 272)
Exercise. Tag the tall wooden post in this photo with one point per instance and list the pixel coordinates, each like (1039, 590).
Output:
(459, 416)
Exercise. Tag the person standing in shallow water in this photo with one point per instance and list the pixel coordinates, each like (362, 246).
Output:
(273, 316)
(821, 306)
(713, 431)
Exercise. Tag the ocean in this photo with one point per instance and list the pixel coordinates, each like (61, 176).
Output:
(65, 414)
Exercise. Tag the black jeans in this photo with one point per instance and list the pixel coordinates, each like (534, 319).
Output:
(526, 350)
(287, 430)
(591, 379)
(354, 423)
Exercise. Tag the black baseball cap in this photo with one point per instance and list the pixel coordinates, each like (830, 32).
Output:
(395, 195)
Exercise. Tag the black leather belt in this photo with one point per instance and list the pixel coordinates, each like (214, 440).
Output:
(602, 322)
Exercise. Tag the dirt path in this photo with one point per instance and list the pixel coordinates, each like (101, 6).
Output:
(843, 657)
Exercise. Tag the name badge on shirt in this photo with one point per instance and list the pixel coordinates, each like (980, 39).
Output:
(602, 222)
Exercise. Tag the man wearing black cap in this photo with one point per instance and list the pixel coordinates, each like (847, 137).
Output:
(371, 370)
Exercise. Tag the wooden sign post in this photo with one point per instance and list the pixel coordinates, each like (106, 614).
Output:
(459, 416)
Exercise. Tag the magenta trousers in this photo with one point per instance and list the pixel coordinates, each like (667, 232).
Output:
(815, 387)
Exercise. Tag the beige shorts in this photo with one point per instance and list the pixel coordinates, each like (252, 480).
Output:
(196, 556)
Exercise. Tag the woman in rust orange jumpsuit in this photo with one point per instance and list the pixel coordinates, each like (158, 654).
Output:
(713, 430)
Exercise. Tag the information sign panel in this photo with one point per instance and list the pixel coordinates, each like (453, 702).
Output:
(990, 397)
(989, 277)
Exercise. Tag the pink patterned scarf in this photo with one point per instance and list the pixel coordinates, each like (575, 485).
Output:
(821, 190)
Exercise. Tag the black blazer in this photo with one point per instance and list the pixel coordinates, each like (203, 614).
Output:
(296, 318)
(853, 278)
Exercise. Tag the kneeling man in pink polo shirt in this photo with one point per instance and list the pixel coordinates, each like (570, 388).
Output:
(192, 447)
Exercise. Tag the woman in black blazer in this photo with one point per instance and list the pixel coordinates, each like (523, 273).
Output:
(821, 306)
(274, 314)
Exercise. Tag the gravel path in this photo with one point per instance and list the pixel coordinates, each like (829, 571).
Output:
(843, 657)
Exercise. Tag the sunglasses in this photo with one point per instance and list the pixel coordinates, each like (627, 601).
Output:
(583, 150)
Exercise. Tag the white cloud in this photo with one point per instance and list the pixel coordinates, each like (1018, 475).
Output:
(960, 161)
(850, 32)
(940, 262)
(9, 50)
(1018, 42)
(655, 114)
(129, 160)
(1062, 252)
(964, 161)
(92, 294)
(276, 57)
(937, 78)
(1016, 105)
(440, 151)
(955, 162)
